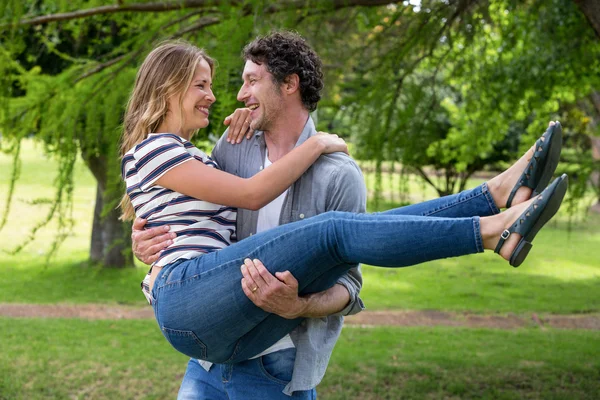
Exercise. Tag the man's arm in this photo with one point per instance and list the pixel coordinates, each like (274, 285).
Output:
(279, 294)
(349, 193)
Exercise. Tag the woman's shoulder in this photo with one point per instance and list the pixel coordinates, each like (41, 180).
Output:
(159, 140)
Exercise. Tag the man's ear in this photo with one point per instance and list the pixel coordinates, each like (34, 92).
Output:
(291, 83)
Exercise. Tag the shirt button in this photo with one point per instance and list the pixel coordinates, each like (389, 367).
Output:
(250, 234)
(261, 167)
(301, 216)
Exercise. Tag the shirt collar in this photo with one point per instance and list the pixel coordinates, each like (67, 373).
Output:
(308, 131)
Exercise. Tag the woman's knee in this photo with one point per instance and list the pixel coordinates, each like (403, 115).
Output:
(335, 215)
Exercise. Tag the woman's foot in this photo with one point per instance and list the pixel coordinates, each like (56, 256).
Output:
(493, 227)
(511, 232)
(502, 185)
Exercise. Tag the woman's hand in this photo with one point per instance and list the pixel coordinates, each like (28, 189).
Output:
(239, 125)
(330, 143)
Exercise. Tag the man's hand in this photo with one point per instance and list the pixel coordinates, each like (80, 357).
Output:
(148, 243)
(274, 294)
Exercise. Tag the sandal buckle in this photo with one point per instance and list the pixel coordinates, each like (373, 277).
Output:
(505, 234)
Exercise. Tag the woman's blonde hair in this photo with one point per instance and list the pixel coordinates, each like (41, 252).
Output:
(166, 72)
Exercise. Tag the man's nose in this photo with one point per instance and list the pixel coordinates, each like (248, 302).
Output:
(242, 94)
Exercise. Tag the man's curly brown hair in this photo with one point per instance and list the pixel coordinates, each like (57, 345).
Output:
(285, 53)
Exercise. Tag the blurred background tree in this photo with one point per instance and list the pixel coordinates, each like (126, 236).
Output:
(443, 88)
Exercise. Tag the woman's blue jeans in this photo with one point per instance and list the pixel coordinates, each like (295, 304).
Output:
(203, 312)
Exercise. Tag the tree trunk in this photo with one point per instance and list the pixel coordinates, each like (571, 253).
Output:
(591, 10)
(111, 239)
(595, 178)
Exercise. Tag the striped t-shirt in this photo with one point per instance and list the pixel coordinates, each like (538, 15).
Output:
(201, 227)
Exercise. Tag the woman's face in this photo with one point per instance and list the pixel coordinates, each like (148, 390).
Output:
(196, 101)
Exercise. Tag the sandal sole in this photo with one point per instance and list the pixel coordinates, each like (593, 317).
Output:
(556, 197)
(553, 157)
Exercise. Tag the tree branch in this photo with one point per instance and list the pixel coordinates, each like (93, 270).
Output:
(424, 176)
(185, 4)
(591, 10)
(201, 23)
(117, 8)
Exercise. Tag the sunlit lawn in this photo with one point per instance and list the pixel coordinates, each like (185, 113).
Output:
(77, 359)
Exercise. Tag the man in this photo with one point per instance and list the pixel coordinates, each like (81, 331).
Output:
(282, 85)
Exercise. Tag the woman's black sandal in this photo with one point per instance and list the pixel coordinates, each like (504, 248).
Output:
(541, 167)
(533, 219)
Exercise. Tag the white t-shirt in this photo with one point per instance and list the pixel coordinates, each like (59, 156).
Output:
(268, 217)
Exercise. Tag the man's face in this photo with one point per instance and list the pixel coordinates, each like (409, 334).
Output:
(262, 95)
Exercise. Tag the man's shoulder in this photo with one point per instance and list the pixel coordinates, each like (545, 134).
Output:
(338, 163)
(236, 155)
(226, 148)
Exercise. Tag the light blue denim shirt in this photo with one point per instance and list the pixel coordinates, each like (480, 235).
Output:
(333, 182)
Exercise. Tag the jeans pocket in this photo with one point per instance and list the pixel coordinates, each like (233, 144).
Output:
(279, 366)
(185, 342)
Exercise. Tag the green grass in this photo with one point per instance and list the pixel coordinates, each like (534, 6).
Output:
(78, 359)
(66, 359)
(69, 280)
(446, 363)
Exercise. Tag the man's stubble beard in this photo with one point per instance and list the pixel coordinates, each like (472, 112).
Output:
(270, 114)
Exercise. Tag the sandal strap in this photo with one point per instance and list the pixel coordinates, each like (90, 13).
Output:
(503, 238)
(528, 177)
(517, 226)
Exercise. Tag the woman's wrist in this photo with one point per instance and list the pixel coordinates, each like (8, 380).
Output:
(318, 144)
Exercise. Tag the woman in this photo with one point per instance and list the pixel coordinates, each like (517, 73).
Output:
(194, 286)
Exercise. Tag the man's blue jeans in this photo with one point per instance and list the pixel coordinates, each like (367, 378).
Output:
(203, 312)
(257, 379)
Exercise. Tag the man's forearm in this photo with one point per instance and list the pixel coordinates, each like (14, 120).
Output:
(322, 304)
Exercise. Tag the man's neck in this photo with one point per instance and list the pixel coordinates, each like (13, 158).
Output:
(284, 135)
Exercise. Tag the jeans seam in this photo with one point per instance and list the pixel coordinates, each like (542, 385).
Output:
(477, 234)
(165, 272)
(269, 376)
(488, 196)
(443, 208)
(234, 352)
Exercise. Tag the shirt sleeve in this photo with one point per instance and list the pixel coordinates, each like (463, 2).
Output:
(156, 156)
(218, 152)
(348, 192)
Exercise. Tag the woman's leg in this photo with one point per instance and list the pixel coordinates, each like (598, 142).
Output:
(468, 203)
(203, 311)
